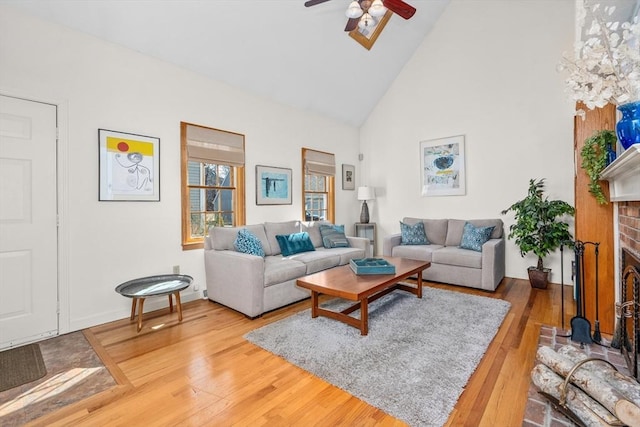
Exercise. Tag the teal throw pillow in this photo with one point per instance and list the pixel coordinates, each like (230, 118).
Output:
(291, 244)
(248, 243)
(474, 237)
(413, 234)
(333, 236)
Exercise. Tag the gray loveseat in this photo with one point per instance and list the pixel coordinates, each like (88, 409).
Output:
(253, 284)
(449, 263)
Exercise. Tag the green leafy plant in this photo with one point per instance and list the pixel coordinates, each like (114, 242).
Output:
(537, 227)
(594, 160)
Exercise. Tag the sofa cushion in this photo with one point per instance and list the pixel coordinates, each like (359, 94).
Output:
(346, 254)
(278, 269)
(223, 238)
(455, 229)
(319, 260)
(313, 228)
(247, 242)
(474, 237)
(272, 229)
(333, 236)
(413, 234)
(435, 229)
(295, 243)
(451, 255)
(419, 252)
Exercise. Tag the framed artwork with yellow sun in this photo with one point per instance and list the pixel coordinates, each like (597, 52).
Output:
(129, 166)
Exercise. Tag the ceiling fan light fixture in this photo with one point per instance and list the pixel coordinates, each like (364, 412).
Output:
(366, 22)
(377, 8)
(354, 10)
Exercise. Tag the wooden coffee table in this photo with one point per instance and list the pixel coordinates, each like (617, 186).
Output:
(344, 283)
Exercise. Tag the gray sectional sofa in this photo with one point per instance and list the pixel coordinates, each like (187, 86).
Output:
(449, 263)
(253, 284)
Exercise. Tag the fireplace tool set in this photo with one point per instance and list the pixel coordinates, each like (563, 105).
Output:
(580, 325)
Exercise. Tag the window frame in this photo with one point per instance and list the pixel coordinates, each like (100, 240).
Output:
(329, 188)
(238, 186)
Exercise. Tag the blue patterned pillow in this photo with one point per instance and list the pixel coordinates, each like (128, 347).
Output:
(247, 242)
(333, 236)
(295, 243)
(474, 237)
(413, 234)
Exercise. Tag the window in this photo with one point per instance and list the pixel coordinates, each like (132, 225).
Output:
(212, 181)
(319, 171)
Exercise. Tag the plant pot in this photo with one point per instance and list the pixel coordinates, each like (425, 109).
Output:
(539, 278)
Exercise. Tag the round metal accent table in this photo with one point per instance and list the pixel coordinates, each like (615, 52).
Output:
(165, 284)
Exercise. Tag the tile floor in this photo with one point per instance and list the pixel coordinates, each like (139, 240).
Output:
(74, 372)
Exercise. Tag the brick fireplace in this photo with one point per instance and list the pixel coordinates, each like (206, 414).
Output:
(624, 184)
(629, 226)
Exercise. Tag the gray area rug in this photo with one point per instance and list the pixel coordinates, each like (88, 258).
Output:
(416, 360)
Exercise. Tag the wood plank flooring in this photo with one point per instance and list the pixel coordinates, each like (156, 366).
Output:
(202, 372)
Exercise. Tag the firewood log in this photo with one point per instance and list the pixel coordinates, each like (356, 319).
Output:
(593, 385)
(624, 383)
(590, 412)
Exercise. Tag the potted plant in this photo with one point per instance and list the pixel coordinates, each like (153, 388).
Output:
(538, 228)
(597, 153)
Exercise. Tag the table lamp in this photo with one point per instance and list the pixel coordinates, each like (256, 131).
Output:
(364, 194)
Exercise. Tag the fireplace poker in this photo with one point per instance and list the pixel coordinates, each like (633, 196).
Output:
(596, 332)
(562, 285)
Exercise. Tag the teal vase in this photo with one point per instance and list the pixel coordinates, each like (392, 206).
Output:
(628, 128)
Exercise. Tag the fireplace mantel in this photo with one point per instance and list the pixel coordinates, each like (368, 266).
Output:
(623, 175)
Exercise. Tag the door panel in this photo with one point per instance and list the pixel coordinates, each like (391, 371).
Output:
(28, 222)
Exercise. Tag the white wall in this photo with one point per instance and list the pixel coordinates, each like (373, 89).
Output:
(102, 85)
(486, 71)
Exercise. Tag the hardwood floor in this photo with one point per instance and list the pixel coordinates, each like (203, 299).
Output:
(202, 372)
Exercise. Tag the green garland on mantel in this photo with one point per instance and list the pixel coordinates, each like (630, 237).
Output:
(594, 160)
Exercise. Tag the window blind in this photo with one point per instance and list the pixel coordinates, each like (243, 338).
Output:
(208, 145)
(319, 163)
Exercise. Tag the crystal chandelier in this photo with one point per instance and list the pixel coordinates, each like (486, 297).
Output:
(367, 11)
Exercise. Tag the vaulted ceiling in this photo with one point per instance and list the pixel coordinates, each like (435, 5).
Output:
(278, 49)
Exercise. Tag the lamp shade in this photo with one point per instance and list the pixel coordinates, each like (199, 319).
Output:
(366, 21)
(377, 9)
(354, 10)
(366, 193)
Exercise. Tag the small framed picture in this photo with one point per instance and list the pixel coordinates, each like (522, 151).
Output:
(273, 186)
(442, 167)
(129, 166)
(348, 177)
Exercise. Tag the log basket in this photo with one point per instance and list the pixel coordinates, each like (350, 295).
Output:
(561, 404)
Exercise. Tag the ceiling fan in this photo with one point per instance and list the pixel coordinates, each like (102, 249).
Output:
(398, 7)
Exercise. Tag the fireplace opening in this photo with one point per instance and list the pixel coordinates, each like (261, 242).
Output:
(629, 312)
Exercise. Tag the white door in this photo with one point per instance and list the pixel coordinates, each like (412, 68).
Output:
(28, 222)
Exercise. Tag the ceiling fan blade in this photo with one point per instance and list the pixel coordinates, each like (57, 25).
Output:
(352, 24)
(310, 3)
(400, 8)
